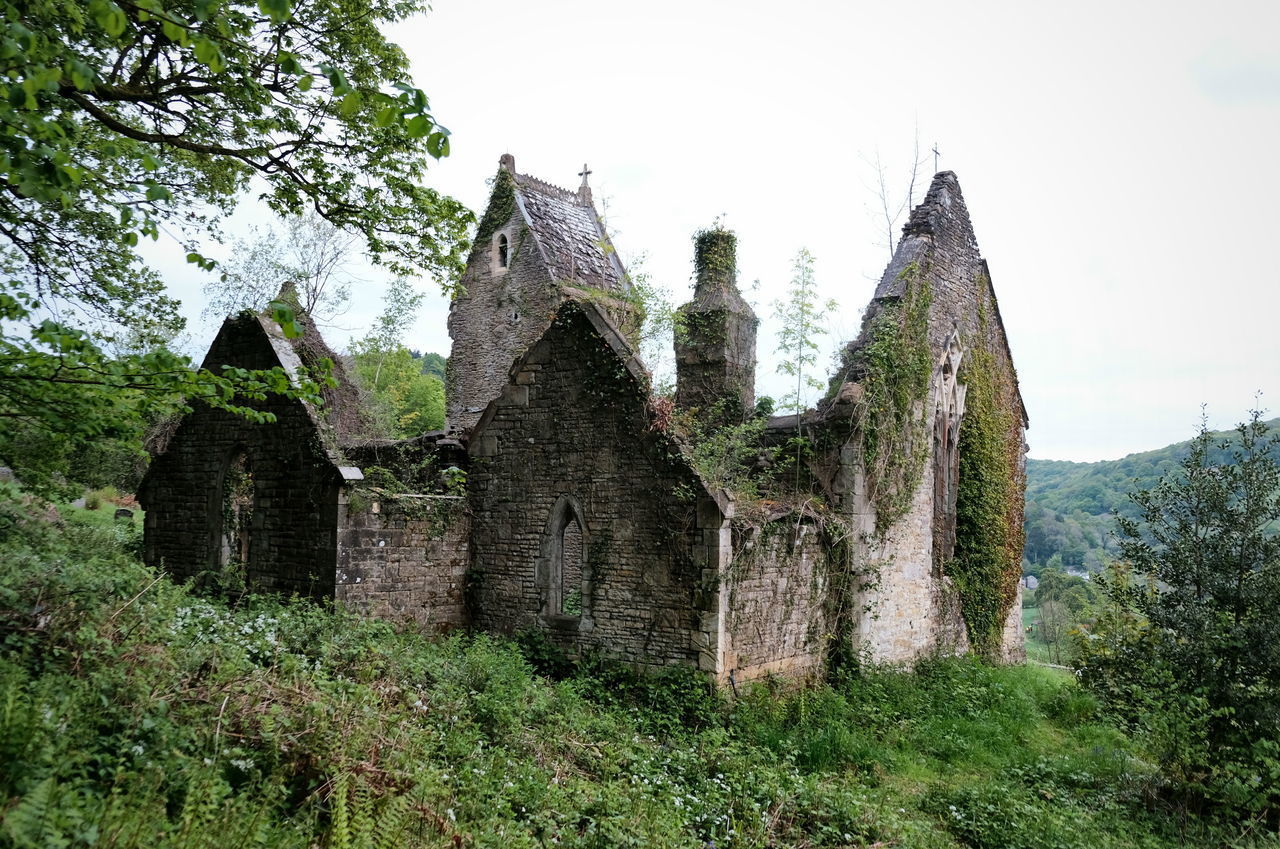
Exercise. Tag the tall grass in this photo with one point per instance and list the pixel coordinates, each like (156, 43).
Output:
(135, 713)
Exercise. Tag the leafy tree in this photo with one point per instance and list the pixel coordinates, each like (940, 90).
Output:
(407, 401)
(800, 316)
(433, 364)
(1202, 670)
(312, 253)
(118, 119)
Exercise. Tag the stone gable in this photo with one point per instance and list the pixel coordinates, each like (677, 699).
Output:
(560, 501)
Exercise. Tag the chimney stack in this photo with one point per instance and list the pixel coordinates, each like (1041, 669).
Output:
(716, 340)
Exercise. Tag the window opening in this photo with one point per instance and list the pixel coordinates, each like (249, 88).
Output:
(237, 512)
(571, 556)
(563, 574)
(502, 251)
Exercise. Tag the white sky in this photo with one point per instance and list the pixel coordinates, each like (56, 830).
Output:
(1118, 161)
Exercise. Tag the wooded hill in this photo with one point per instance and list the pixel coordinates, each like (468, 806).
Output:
(1071, 507)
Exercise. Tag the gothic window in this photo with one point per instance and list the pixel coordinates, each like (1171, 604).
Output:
(503, 247)
(571, 569)
(236, 512)
(564, 578)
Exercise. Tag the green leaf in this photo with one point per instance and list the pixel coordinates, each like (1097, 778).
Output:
(278, 10)
(209, 54)
(284, 316)
(418, 126)
(289, 63)
(438, 144)
(176, 33)
(109, 16)
(351, 104)
(304, 82)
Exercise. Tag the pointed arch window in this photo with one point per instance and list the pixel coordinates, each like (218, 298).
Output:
(564, 577)
(235, 512)
(502, 251)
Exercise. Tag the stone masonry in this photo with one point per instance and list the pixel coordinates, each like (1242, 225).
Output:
(561, 499)
(572, 433)
(715, 340)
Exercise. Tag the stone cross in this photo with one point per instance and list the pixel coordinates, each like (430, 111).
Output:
(584, 173)
(935, 157)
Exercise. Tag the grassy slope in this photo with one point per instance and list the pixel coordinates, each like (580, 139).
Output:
(135, 714)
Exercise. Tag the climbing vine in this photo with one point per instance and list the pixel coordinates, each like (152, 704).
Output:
(714, 252)
(896, 364)
(989, 497)
(502, 205)
(396, 487)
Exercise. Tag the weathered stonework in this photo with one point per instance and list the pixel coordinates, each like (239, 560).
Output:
(405, 558)
(547, 245)
(296, 479)
(778, 587)
(715, 341)
(560, 501)
(572, 425)
(912, 608)
(296, 523)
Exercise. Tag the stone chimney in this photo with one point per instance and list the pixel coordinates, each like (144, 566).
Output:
(508, 162)
(716, 336)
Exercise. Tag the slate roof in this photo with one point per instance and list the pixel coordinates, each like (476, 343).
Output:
(569, 235)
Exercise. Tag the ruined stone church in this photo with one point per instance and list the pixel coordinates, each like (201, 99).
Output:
(563, 497)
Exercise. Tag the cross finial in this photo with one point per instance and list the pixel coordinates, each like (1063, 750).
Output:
(584, 191)
(935, 157)
(584, 173)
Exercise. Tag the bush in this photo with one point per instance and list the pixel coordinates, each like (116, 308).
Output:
(1188, 654)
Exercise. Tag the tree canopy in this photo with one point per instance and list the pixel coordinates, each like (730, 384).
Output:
(123, 120)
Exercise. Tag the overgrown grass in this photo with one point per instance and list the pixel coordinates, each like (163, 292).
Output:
(135, 713)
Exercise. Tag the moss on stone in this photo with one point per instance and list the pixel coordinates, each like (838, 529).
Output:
(714, 252)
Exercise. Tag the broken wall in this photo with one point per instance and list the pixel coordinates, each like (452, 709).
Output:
(778, 585)
(291, 509)
(404, 558)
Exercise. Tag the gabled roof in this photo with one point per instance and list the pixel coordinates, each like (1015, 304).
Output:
(568, 232)
(338, 420)
(598, 323)
(940, 222)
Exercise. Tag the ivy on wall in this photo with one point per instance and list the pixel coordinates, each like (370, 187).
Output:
(896, 365)
(989, 498)
(502, 205)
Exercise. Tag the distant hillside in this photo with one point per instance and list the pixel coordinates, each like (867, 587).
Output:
(1071, 507)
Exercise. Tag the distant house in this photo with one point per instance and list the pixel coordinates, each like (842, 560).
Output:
(562, 500)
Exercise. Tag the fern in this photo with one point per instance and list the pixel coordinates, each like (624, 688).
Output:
(361, 819)
(29, 822)
(340, 828)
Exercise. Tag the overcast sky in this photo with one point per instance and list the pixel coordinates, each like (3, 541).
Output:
(1118, 161)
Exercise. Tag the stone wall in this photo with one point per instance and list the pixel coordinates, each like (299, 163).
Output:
(572, 431)
(500, 314)
(778, 584)
(405, 558)
(913, 608)
(295, 483)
